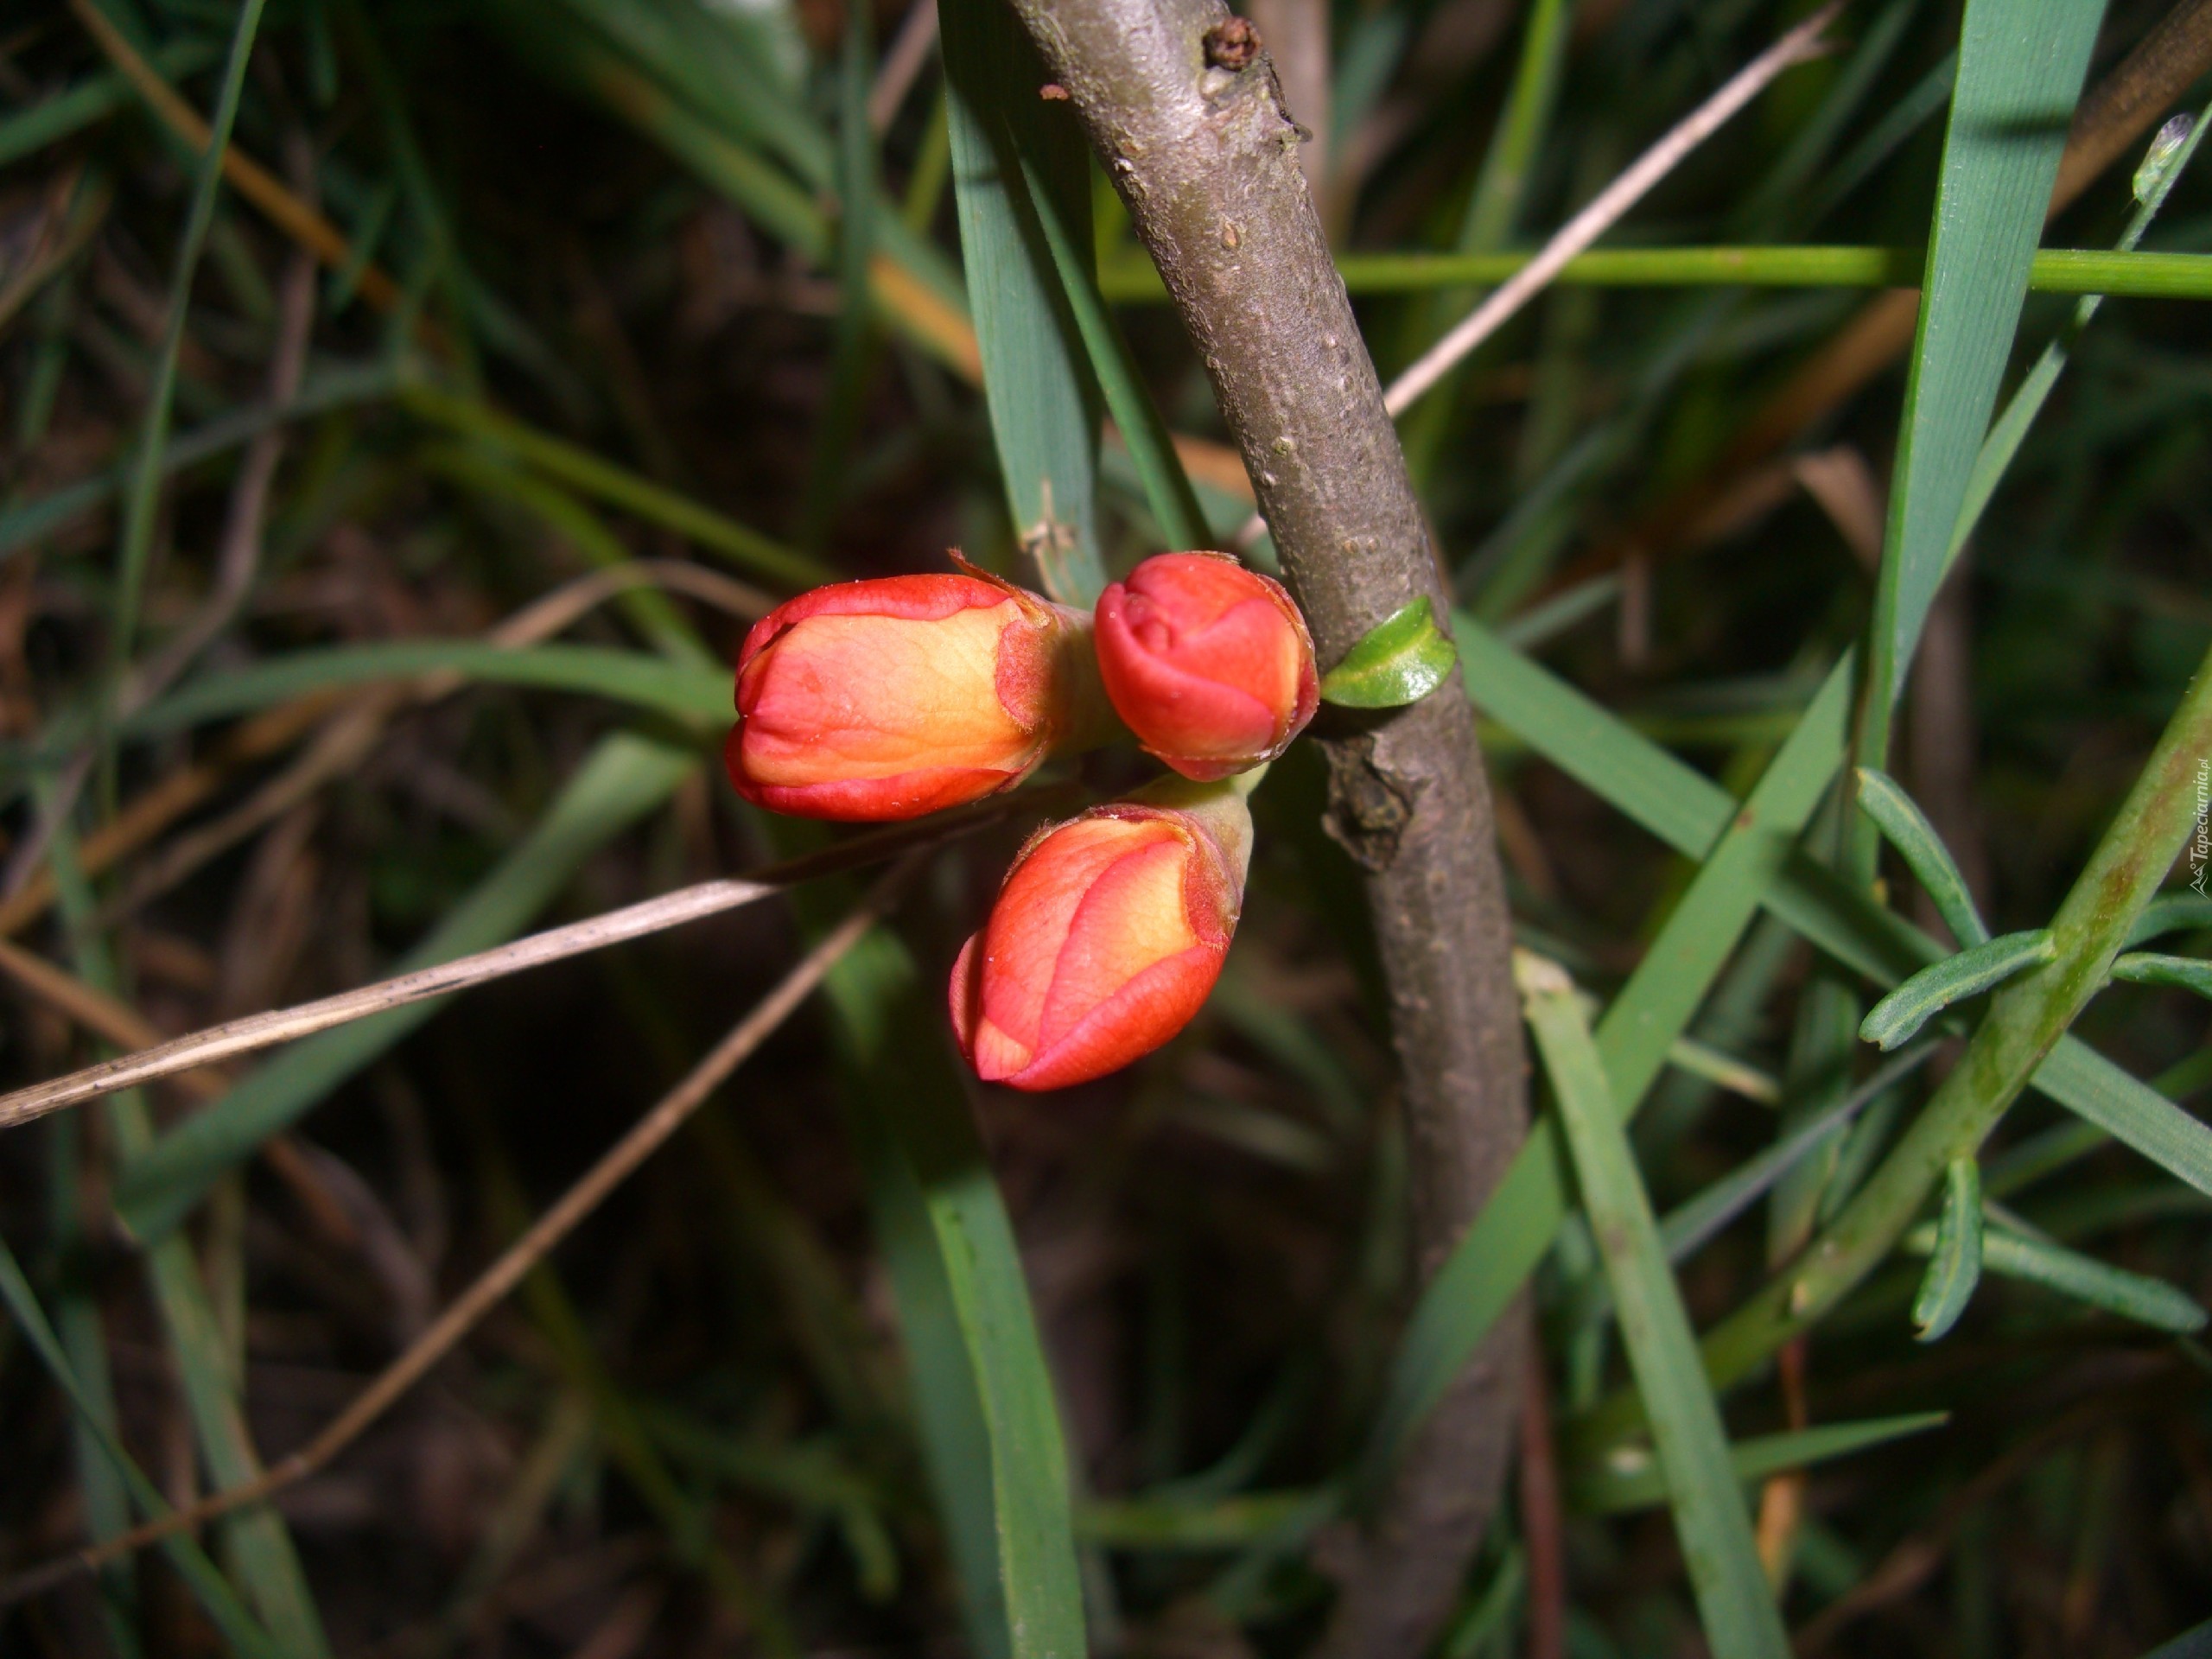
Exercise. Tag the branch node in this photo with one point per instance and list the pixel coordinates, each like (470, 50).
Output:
(1232, 44)
(1368, 807)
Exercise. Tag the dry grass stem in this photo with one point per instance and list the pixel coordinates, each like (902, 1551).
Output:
(667, 1115)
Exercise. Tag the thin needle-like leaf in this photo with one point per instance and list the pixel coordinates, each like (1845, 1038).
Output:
(1898, 1017)
(1882, 798)
(1955, 1259)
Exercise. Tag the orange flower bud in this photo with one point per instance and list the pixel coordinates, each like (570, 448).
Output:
(1106, 938)
(1208, 663)
(870, 701)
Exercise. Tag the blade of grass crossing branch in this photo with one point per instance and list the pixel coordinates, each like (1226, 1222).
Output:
(982, 1395)
(1043, 405)
(1736, 1608)
(1687, 810)
(142, 494)
(625, 777)
(1516, 1228)
(212, 1591)
(2014, 94)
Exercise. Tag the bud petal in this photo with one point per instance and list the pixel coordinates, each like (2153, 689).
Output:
(1208, 663)
(871, 700)
(1106, 938)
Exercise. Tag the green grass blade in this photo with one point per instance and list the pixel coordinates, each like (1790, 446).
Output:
(29, 522)
(1741, 1620)
(2131, 1111)
(1672, 799)
(1656, 1004)
(26, 131)
(2114, 274)
(1902, 824)
(1517, 1226)
(1898, 1017)
(1167, 490)
(1689, 812)
(142, 493)
(2132, 1295)
(598, 478)
(1955, 1259)
(1043, 403)
(1614, 1491)
(208, 1585)
(982, 1394)
(2181, 973)
(255, 1540)
(693, 693)
(2009, 106)
(2170, 912)
(2011, 428)
(625, 777)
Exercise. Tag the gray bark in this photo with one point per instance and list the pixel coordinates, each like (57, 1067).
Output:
(1189, 125)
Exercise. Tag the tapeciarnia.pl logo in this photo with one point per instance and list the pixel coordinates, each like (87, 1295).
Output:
(2200, 844)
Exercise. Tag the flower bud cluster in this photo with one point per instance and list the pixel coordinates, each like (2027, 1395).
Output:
(883, 700)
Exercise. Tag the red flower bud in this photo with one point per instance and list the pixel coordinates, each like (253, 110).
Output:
(869, 701)
(1106, 938)
(1208, 663)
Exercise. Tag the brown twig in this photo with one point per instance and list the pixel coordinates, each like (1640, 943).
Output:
(1205, 158)
(644, 1138)
(1543, 1520)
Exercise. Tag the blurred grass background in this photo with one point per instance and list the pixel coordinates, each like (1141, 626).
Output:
(516, 294)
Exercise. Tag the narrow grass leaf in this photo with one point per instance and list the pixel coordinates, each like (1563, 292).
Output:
(1516, 1225)
(594, 476)
(141, 495)
(2132, 1295)
(1043, 404)
(1657, 1003)
(692, 693)
(2170, 912)
(1616, 1492)
(2148, 968)
(1955, 1259)
(1905, 827)
(256, 1541)
(1734, 1603)
(621, 780)
(2011, 102)
(2083, 1278)
(1898, 1018)
(1688, 811)
(1167, 488)
(982, 1393)
(2130, 1110)
(208, 1585)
